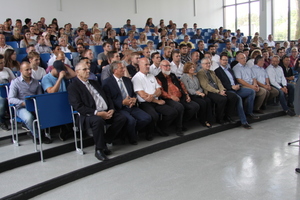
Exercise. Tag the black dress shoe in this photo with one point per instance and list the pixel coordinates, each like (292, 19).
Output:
(149, 136)
(252, 116)
(297, 170)
(263, 107)
(230, 120)
(258, 111)
(179, 133)
(107, 152)
(246, 126)
(165, 133)
(100, 155)
(222, 122)
(184, 128)
(133, 142)
(4, 126)
(290, 112)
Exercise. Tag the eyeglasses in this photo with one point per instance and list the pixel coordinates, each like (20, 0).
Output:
(166, 65)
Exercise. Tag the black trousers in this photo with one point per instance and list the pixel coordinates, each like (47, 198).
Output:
(205, 111)
(225, 104)
(153, 109)
(97, 124)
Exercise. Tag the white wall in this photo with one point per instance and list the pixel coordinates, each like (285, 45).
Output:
(209, 14)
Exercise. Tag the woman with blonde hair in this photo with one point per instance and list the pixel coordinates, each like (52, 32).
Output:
(97, 39)
(255, 40)
(142, 39)
(16, 35)
(196, 93)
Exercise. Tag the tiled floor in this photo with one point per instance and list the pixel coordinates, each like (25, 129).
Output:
(254, 164)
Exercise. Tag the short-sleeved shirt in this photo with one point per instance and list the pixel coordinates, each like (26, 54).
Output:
(260, 74)
(49, 81)
(243, 72)
(102, 56)
(144, 82)
(38, 74)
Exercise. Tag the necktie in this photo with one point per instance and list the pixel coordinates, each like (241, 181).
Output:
(211, 81)
(123, 92)
(100, 103)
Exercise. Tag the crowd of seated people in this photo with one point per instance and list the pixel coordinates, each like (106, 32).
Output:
(172, 77)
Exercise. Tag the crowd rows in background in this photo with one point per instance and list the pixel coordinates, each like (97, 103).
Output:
(179, 74)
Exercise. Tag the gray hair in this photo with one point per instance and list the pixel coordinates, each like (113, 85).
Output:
(80, 64)
(204, 59)
(114, 65)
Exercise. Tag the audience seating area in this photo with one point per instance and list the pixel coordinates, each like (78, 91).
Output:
(48, 117)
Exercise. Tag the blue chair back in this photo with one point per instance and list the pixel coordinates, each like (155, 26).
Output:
(13, 44)
(45, 57)
(69, 56)
(96, 50)
(52, 109)
(20, 57)
(3, 90)
(21, 50)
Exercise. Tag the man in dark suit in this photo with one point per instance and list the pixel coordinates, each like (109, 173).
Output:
(201, 49)
(96, 110)
(120, 90)
(226, 76)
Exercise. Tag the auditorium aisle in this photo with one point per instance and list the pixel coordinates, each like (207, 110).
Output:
(234, 164)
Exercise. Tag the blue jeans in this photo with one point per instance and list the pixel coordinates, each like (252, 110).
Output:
(244, 93)
(27, 118)
(3, 105)
(282, 100)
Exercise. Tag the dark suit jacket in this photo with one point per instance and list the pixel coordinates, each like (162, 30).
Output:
(201, 54)
(82, 100)
(224, 78)
(112, 90)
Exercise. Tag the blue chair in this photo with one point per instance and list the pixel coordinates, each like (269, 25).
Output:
(4, 88)
(13, 44)
(122, 38)
(45, 57)
(49, 116)
(96, 50)
(69, 55)
(143, 46)
(21, 50)
(20, 57)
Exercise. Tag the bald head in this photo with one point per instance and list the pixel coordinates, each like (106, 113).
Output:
(144, 65)
(60, 56)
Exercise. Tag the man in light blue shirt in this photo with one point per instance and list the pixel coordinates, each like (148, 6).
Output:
(247, 79)
(263, 79)
(55, 80)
